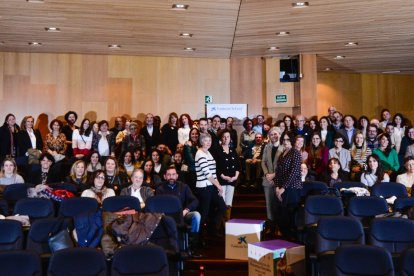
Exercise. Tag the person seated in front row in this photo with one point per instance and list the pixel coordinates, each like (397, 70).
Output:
(46, 174)
(78, 176)
(304, 172)
(374, 173)
(8, 174)
(335, 173)
(407, 178)
(189, 202)
(98, 189)
(136, 189)
(116, 179)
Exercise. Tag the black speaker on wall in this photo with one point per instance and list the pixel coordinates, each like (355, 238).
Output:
(289, 69)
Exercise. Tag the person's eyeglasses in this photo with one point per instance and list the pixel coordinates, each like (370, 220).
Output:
(339, 141)
(100, 177)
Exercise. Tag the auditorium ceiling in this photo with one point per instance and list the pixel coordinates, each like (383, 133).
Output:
(382, 31)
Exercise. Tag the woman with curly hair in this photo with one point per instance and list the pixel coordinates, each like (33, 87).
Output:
(185, 123)
(247, 137)
(55, 142)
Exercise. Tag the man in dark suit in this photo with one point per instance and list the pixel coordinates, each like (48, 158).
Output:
(348, 132)
(302, 129)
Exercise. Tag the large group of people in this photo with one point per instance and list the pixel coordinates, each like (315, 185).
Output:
(143, 158)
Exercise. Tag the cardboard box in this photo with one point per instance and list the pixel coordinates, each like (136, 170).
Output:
(240, 232)
(276, 258)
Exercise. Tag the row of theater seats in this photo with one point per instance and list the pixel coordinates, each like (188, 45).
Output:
(384, 189)
(128, 260)
(326, 228)
(48, 218)
(370, 260)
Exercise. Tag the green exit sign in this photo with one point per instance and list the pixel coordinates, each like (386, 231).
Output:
(281, 98)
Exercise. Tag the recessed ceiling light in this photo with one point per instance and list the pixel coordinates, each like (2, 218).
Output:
(35, 43)
(339, 57)
(299, 5)
(189, 49)
(328, 69)
(282, 33)
(180, 7)
(35, 1)
(114, 46)
(391, 72)
(351, 43)
(273, 48)
(186, 35)
(52, 29)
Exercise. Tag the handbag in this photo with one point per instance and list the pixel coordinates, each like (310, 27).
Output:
(58, 157)
(60, 241)
(33, 156)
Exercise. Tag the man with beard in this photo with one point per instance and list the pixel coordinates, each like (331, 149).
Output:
(119, 126)
(233, 133)
(188, 201)
(70, 118)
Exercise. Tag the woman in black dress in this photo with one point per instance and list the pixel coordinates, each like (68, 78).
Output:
(288, 184)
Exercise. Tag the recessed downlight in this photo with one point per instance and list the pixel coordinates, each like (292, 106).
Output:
(114, 46)
(283, 33)
(189, 49)
(52, 29)
(34, 43)
(298, 5)
(180, 7)
(186, 35)
(328, 69)
(35, 1)
(273, 48)
(351, 43)
(339, 57)
(391, 72)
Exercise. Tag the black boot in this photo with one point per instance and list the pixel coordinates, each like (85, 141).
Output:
(194, 245)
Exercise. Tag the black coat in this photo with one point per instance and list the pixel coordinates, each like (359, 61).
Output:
(5, 147)
(151, 141)
(24, 143)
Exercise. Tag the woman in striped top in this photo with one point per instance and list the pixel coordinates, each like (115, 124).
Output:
(359, 154)
(209, 190)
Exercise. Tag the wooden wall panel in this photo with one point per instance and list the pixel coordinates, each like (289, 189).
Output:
(308, 84)
(365, 93)
(248, 84)
(102, 87)
(1, 77)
